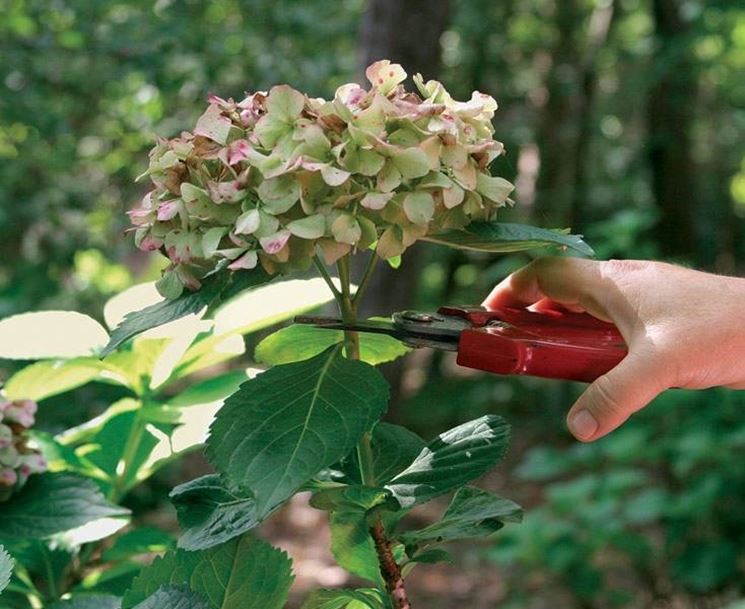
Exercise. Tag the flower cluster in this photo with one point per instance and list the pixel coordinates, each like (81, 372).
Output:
(17, 460)
(278, 176)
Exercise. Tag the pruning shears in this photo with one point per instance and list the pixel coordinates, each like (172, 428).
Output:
(550, 344)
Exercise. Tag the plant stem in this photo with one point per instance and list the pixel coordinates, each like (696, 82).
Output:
(326, 277)
(389, 568)
(365, 281)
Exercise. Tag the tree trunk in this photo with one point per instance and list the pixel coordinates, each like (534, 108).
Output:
(407, 33)
(670, 112)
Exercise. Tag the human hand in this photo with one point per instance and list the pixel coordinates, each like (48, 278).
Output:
(683, 328)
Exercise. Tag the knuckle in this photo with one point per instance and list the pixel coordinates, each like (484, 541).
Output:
(605, 397)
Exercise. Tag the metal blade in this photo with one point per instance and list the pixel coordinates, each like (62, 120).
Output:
(407, 335)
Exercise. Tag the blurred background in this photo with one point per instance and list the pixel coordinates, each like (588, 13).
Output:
(623, 119)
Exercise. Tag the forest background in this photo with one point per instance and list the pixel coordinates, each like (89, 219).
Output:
(622, 119)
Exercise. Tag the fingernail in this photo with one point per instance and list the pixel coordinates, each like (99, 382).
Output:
(582, 424)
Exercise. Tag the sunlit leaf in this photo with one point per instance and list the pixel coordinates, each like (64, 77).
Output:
(300, 342)
(268, 305)
(215, 289)
(51, 377)
(50, 334)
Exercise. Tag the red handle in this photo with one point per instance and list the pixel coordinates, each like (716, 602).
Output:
(551, 344)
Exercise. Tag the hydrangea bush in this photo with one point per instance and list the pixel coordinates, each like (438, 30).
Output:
(261, 187)
(273, 177)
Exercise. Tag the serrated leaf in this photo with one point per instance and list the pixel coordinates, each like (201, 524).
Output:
(353, 547)
(49, 334)
(365, 598)
(6, 568)
(284, 426)
(394, 449)
(54, 503)
(51, 377)
(88, 601)
(215, 289)
(300, 342)
(473, 513)
(210, 514)
(452, 459)
(174, 597)
(508, 237)
(245, 573)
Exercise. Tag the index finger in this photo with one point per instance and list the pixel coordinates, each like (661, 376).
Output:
(573, 282)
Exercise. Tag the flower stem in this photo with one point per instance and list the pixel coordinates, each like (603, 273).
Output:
(389, 568)
(326, 277)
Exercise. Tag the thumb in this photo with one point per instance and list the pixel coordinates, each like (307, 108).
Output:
(614, 397)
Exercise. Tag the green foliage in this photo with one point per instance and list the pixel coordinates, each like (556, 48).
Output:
(507, 237)
(660, 493)
(352, 546)
(344, 599)
(451, 460)
(326, 404)
(296, 343)
(6, 568)
(216, 289)
(174, 597)
(210, 514)
(472, 513)
(245, 573)
(89, 601)
(54, 503)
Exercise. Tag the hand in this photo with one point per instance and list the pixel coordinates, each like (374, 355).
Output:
(684, 328)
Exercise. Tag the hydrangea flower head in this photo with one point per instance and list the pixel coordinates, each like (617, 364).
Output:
(279, 176)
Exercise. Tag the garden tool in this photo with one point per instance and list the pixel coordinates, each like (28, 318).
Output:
(549, 344)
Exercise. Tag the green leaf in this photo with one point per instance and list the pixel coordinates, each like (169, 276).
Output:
(265, 306)
(54, 503)
(209, 390)
(471, 513)
(245, 573)
(352, 545)
(394, 448)
(300, 342)
(174, 597)
(142, 540)
(88, 601)
(48, 334)
(51, 377)
(452, 459)
(364, 598)
(507, 237)
(284, 426)
(349, 498)
(6, 568)
(215, 289)
(210, 514)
